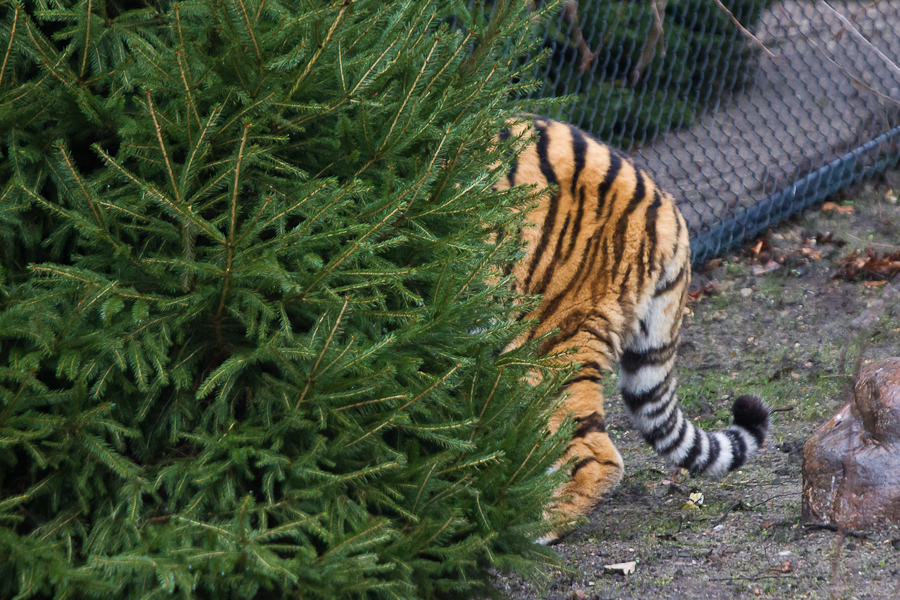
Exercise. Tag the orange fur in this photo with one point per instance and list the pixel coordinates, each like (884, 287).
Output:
(609, 253)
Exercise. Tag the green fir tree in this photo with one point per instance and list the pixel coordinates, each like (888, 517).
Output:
(253, 304)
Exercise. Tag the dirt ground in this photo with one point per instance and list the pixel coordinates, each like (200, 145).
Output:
(771, 320)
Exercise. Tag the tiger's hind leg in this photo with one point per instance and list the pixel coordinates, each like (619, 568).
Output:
(597, 466)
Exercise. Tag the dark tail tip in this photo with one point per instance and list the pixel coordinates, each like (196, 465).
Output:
(752, 414)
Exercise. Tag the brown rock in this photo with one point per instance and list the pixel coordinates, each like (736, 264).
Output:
(851, 465)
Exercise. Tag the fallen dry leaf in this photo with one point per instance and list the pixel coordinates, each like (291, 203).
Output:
(845, 210)
(872, 266)
(769, 266)
(626, 567)
(829, 206)
(709, 288)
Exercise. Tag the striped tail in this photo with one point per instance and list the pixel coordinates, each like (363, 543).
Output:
(654, 411)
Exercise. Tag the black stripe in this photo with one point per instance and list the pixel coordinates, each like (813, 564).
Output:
(586, 461)
(615, 165)
(580, 378)
(541, 286)
(631, 361)
(593, 423)
(576, 229)
(625, 218)
(652, 215)
(581, 464)
(579, 150)
(550, 220)
(624, 288)
(662, 430)
(651, 396)
(711, 456)
(585, 268)
(694, 452)
(738, 449)
(668, 285)
(679, 437)
(664, 406)
(678, 238)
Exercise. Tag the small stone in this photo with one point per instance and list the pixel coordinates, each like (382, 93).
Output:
(746, 292)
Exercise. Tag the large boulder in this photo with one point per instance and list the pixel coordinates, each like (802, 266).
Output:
(851, 465)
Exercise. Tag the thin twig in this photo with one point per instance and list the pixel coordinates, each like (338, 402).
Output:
(745, 31)
(855, 33)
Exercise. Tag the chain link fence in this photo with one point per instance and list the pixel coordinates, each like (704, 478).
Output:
(743, 128)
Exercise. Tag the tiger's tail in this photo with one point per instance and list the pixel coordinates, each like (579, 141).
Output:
(649, 385)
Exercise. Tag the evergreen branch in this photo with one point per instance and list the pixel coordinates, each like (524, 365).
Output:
(250, 30)
(162, 148)
(422, 487)
(312, 373)
(229, 245)
(439, 531)
(493, 457)
(12, 38)
(288, 529)
(374, 64)
(87, 38)
(234, 194)
(400, 410)
(344, 6)
(306, 197)
(486, 402)
(434, 385)
(412, 90)
(240, 114)
(147, 188)
(89, 198)
(362, 534)
(369, 402)
(478, 273)
(350, 250)
(121, 466)
(192, 105)
(447, 63)
(47, 54)
(524, 462)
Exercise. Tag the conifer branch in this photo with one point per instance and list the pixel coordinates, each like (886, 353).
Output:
(73, 172)
(309, 65)
(349, 251)
(524, 462)
(229, 244)
(372, 68)
(486, 402)
(412, 90)
(12, 38)
(87, 37)
(312, 374)
(439, 531)
(162, 148)
(431, 387)
(250, 30)
(421, 488)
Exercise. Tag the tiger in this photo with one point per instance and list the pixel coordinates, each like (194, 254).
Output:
(608, 253)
